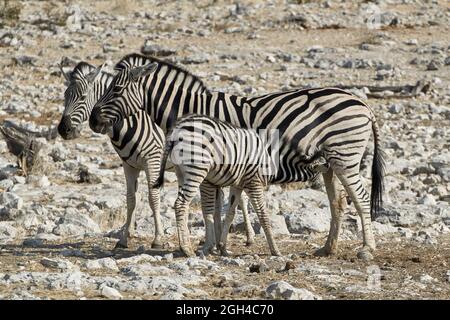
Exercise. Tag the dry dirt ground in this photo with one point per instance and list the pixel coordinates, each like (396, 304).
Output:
(399, 263)
(396, 263)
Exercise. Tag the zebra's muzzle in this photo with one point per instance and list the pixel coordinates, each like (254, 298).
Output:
(97, 124)
(67, 130)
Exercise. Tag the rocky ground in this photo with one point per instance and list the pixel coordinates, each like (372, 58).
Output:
(57, 231)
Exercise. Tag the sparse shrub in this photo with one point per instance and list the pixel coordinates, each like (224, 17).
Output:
(55, 14)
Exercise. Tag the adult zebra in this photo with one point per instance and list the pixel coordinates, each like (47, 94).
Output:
(327, 120)
(85, 85)
(137, 141)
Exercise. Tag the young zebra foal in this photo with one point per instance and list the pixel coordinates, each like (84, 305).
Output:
(209, 154)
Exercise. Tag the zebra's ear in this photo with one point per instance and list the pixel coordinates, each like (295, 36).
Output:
(66, 75)
(92, 76)
(143, 71)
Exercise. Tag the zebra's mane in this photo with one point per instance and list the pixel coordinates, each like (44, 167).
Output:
(81, 70)
(137, 60)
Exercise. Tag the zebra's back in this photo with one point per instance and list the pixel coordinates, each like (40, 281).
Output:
(231, 155)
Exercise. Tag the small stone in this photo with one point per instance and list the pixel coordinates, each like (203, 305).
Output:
(171, 295)
(110, 293)
(416, 259)
(447, 61)
(427, 199)
(364, 255)
(107, 48)
(285, 291)
(258, 267)
(156, 50)
(427, 279)
(290, 265)
(168, 257)
(104, 263)
(10, 200)
(271, 59)
(19, 180)
(86, 176)
(59, 264)
(412, 42)
(7, 231)
(33, 243)
(395, 108)
(24, 60)
(6, 185)
(433, 65)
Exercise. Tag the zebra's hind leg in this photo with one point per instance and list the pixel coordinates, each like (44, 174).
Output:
(351, 180)
(189, 180)
(131, 177)
(250, 233)
(181, 211)
(154, 201)
(208, 194)
(337, 205)
(256, 194)
(235, 195)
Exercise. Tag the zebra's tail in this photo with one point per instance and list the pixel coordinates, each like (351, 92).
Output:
(378, 165)
(169, 146)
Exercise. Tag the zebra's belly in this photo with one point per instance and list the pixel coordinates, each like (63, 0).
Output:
(230, 175)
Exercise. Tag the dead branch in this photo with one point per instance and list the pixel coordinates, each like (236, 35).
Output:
(21, 143)
(405, 91)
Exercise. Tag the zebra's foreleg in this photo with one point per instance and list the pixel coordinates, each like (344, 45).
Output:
(208, 200)
(131, 177)
(250, 233)
(235, 195)
(352, 183)
(337, 206)
(218, 216)
(154, 201)
(256, 195)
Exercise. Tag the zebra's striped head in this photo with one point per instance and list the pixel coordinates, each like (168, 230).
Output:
(122, 98)
(80, 96)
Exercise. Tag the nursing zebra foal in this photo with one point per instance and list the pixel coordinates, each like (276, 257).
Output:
(329, 121)
(136, 139)
(210, 154)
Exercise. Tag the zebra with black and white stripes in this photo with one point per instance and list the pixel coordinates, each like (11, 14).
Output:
(329, 121)
(85, 85)
(136, 139)
(210, 154)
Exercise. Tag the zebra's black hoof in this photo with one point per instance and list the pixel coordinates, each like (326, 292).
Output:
(188, 252)
(365, 255)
